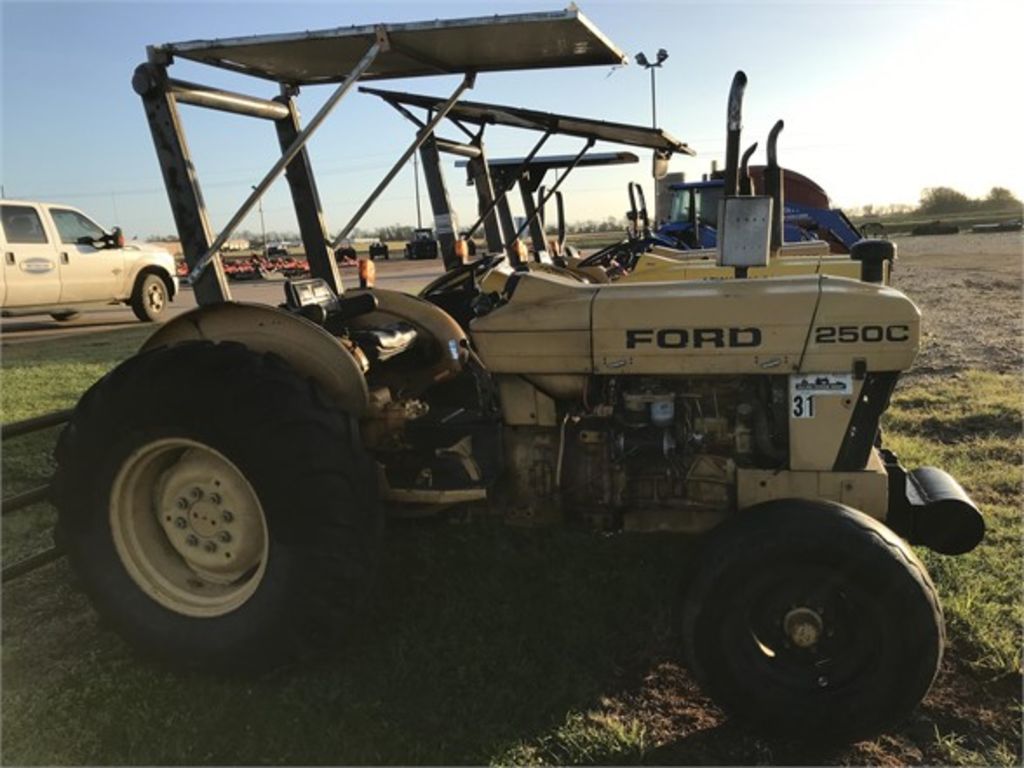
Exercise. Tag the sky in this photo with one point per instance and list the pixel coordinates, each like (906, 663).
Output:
(880, 100)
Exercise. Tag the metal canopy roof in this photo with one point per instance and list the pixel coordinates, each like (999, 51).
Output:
(481, 44)
(496, 114)
(560, 161)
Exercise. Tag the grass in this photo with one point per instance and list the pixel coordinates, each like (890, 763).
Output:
(954, 750)
(904, 222)
(970, 425)
(489, 645)
(39, 378)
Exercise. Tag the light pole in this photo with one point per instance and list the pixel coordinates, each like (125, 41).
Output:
(263, 227)
(642, 60)
(416, 183)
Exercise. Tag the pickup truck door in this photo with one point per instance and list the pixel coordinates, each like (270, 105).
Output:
(30, 258)
(87, 273)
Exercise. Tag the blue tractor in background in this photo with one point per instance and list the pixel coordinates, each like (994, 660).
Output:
(692, 224)
(693, 213)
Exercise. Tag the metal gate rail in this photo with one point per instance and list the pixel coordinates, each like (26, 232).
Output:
(32, 496)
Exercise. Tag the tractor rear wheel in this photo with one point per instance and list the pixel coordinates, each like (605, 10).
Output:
(216, 507)
(812, 620)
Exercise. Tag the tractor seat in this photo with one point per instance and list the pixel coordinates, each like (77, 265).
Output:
(379, 344)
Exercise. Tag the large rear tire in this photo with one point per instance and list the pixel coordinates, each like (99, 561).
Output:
(812, 620)
(217, 508)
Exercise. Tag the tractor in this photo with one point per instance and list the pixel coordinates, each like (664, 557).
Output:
(645, 255)
(422, 244)
(222, 493)
(808, 213)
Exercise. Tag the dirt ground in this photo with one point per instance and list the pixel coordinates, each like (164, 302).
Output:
(969, 288)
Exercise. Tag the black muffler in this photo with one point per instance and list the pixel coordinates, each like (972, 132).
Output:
(734, 125)
(775, 182)
(746, 183)
(928, 507)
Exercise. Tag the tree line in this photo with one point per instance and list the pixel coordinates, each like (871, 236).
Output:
(937, 201)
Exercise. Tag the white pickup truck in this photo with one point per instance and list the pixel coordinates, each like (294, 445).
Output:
(58, 261)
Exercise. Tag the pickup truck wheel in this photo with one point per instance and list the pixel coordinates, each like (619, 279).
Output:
(149, 299)
(63, 317)
(812, 620)
(224, 531)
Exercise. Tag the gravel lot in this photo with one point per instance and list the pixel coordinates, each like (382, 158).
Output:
(969, 288)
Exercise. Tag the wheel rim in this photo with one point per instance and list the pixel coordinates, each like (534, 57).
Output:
(155, 297)
(803, 630)
(188, 527)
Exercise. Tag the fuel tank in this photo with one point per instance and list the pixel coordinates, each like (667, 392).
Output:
(801, 324)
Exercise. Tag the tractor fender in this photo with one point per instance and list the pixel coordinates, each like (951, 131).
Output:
(452, 346)
(307, 347)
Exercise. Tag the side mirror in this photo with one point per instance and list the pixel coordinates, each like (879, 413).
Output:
(113, 239)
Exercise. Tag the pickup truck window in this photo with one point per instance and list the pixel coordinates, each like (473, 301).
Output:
(71, 225)
(22, 225)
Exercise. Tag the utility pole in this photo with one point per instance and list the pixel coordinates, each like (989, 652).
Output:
(416, 182)
(643, 61)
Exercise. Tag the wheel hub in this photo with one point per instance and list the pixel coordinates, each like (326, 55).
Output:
(214, 542)
(803, 627)
(156, 298)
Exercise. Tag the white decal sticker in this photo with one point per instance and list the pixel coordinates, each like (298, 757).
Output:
(445, 223)
(821, 384)
(804, 388)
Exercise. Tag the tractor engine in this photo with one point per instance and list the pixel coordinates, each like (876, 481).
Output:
(662, 452)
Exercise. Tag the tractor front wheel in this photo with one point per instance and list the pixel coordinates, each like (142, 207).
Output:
(216, 507)
(812, 620)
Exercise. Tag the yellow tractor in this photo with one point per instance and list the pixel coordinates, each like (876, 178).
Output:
(641, 257)
(221, 493)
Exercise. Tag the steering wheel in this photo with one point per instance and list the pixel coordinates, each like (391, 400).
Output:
(455, 292)
(619, 254)
(452, 279)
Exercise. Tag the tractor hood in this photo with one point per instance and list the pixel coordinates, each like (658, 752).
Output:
(779, 325)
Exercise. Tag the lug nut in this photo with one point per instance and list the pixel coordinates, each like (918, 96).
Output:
(182, 503)
(180, 522)
(210, 546)
(224, 536)
(227, 516)
(192, 540)
(196, 493)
